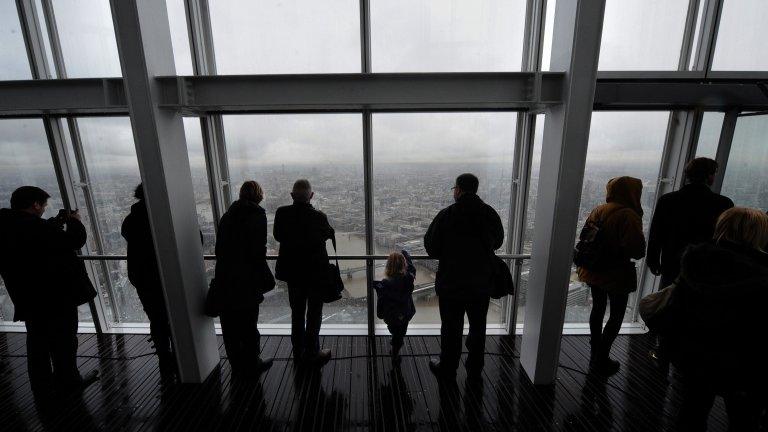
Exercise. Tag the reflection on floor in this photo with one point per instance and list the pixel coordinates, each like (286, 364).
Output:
(352, 392)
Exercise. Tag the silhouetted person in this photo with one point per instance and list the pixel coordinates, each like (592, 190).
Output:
(395, 298)
(303, 263)
(717, 323)
(241, 277)
(463, 237)
(621, 229)
(46, 282)
(684, 217)
(144, 275)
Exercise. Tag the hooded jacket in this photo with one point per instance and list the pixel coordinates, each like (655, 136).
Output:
(395, 296)
(717, 315)
(39, 264)
(464, 236)
(241, 255)
(622, 227)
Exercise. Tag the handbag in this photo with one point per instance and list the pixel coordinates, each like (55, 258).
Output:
(501, 282)
(334, 285)
(213, 300)
(653, 307)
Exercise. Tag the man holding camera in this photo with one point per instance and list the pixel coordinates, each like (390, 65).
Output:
(46, 282)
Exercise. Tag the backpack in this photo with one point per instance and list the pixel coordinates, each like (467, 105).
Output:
(591, 251)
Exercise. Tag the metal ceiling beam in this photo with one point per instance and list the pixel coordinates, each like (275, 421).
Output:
(411, 91)
(194, 95)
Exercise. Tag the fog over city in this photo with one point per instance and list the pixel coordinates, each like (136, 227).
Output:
(416, 156)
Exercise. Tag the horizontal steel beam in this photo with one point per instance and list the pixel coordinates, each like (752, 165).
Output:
(715, 94)
(274, 257)
(194, 95)
(63, 96)
(354, 92)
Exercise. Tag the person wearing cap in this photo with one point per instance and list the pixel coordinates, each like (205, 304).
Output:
(463, 237)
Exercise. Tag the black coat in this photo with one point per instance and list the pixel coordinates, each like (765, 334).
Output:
(395, 296)
(241, 256)
(463, 237)
(302, 232)
(143, 271)
(717, 316)
(682, 218)
(39, 264)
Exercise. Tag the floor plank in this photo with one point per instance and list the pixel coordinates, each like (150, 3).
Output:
(354, 391)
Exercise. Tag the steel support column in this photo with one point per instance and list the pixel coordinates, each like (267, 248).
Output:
(724, 147)
(144, 43)
(575, 50)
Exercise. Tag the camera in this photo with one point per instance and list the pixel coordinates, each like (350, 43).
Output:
(64, 215)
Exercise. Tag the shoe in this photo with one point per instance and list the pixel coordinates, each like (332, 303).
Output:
(606, 366)
(263, 365)
(319, 359)
(440, 373)
(80, 383)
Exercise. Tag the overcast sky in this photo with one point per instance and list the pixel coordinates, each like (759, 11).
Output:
(310, 36)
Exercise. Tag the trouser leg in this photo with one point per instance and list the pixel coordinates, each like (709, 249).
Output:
(64, 346)
(251, 335)
(314, 321)
(697, 401)
(612, 327)
(298, 302)
(38, 354)
(477, 315)
(451, 328)
(230, 332)
(398, 331)
(599, 304)
(159, 326)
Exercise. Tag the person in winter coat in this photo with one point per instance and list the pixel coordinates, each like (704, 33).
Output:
(621, 225)
(716, 318)
(242, 276)
(144, 275)
(302, 262)
(463, 237)
(683, 218)
(46, 282)
(395, 297)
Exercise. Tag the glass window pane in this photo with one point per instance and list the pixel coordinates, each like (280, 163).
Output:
(741, 36)
(26, 161)
(113, 170)
(14, 64)
(642, 34)
(291, 36)
(326, 149)
(709, 135)
(202, 192)
(746, 180)
(416, 158)
(620, 144)
(549, 24)
(447, 36)
(87, 38)
(177, 19)
(530, 217)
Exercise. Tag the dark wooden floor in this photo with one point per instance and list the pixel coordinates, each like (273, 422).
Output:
(350, 393)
